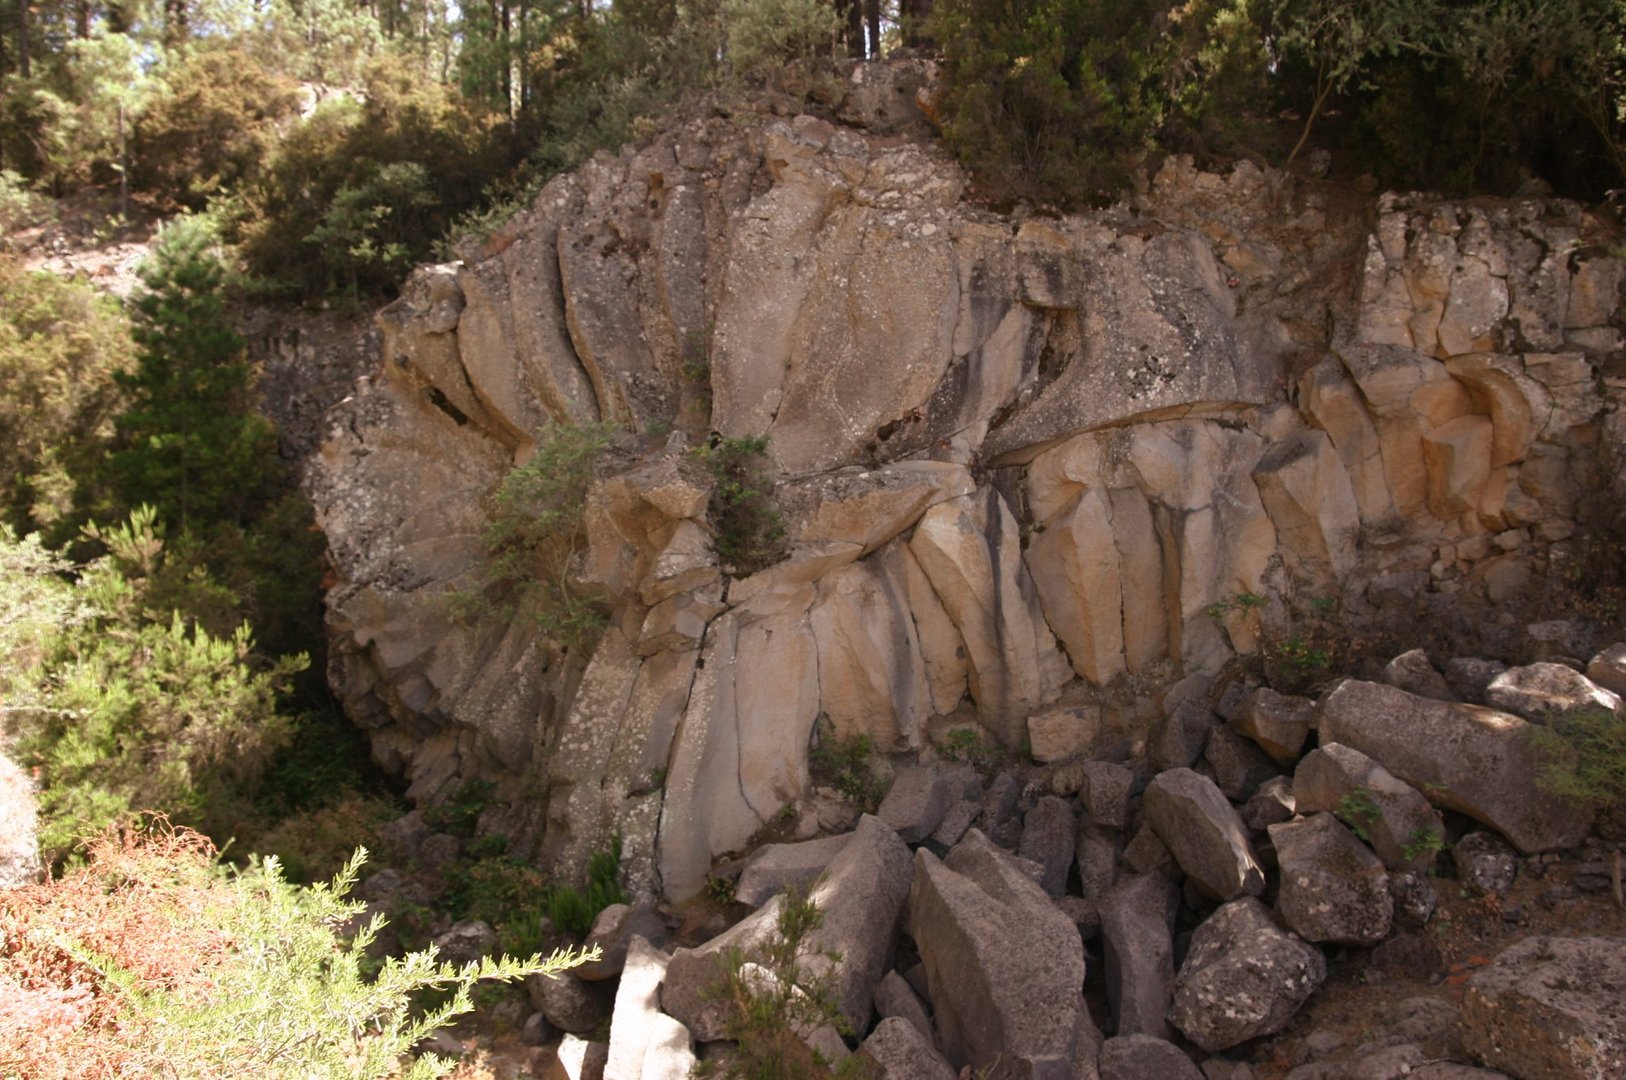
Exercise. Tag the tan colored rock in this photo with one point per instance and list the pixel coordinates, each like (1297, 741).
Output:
(1458, 455)
(1063, 733)
(872, 680)
(1306, 492)
(1333, 400)
(1074, 563)
(1594, 292)
(1503, 392)
(942, 650)
(868, 507)
(1141, 560)
(1478, 304)
(741, 750)
(970, 550)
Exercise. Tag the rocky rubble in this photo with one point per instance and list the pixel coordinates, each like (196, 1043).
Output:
(960, 958)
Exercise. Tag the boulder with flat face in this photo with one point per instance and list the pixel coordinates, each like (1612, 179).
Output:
(1473, 760)
(1549, 1009)
(1004, 966)
(1203, 832)
(1332, 887)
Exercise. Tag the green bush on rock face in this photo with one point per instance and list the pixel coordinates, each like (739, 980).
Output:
(536, 530)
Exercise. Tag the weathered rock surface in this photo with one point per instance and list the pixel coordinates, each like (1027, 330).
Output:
(1474, 760)
(1005, 968)
(1538, 691)
(1243, 977)
(1204, 833)
(1137, 916)
(775, 868)
(1011, 453)
(899, 1051)
(1143, 1057)
(1333, 888)
(1549, 1009)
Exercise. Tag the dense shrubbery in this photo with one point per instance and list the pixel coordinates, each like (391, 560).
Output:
(1062, 99)
(152, 960)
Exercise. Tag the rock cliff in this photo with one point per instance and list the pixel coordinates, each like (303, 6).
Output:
(1023, 459)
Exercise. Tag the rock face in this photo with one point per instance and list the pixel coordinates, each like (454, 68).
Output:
(1549, 1009)
(1010, 453)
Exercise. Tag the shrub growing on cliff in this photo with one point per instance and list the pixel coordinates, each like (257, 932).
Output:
(536, 530)
(151, 960)
(749, 530)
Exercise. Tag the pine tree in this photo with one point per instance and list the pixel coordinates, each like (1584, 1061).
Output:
(190, 444)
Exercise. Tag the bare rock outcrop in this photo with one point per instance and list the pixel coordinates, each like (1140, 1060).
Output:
(1013, 456)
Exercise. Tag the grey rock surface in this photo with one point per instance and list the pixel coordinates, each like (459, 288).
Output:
(1142, 1057)
(1549, 1009)
(1474, 760)
(1204, 833)
(1333, 889)
(1243, 977)
(1137, 946)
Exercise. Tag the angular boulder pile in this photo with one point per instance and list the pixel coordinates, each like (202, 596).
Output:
(1194, 931)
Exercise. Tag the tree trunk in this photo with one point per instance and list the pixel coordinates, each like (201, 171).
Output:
(22, 38)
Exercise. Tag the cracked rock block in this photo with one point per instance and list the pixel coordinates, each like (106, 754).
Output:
(1466, 758)
(1333, 888)
(1005, 967)
(1403, 829)
(1243, 977)
(1549, 1009)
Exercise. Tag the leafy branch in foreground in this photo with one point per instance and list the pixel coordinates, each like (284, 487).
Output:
(154, 960)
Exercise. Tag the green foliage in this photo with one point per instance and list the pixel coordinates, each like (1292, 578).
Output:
(774, 996)
(765, 35)
(848, 765)
(213, 128)
(536, 530)
(459, 813)
(749, 530)
(1359, 811)
(189, 442)
(364, 188)
(127, 705)
(20, 207)
(967, 745)
(1062, 99)
(1237, 603)
(573, 910)
(237, 975)
(1422, 842)
(1583, 756)
(60, 344)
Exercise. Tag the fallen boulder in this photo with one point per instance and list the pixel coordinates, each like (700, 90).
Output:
(1141, 1057)
(897, 1051)
(1243, 977)
(1137, 945)
(1537, 691)
(1004, 967)
(1474, 760)
(1204, 834)
(1549, 1009)
(1332, 887)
